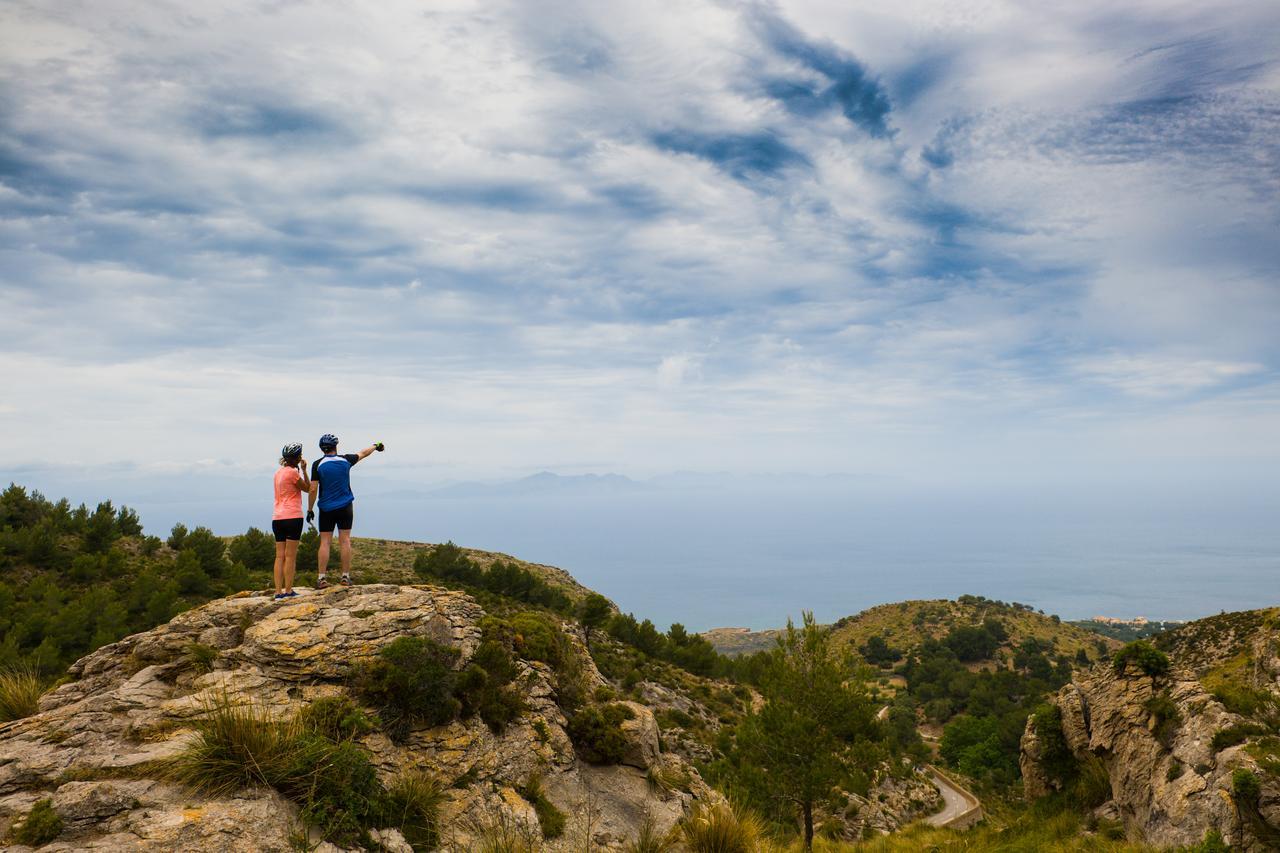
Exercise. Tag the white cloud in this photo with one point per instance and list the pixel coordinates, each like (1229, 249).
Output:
(463, 225)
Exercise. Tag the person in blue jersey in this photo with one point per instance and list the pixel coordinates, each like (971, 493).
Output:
(331, 485)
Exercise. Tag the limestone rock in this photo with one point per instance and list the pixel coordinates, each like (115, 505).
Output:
(642, 736)
(1168, 794)
(92, 747)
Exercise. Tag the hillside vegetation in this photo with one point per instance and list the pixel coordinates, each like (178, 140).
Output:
(1178, 737)
(76, 580)
(1127, 632)
(907, 624)
(73, 579)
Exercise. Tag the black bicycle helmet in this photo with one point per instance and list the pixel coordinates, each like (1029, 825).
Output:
(328, 441)
(292, 450)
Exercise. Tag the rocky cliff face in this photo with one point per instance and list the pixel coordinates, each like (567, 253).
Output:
(92, 747)
(1155, 738)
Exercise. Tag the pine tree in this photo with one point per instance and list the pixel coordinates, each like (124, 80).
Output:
(804, 740)
(594, 612)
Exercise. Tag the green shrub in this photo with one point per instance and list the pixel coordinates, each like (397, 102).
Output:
(200, 656)
(1112, 830)
(1212, 843)
(540, 729)
(597, 734)
(177, 537)
(1092, 786)
(485, 686)
(972, 642)
(20, 690)
(335, 786)
(256, 549)
(1055, 755)
(1141, 654)
(1244, 700)
(411, 682)
(237, 745)
(675, 718)
(336, 718)
(41, 825)
(550, 818)
(333, 783)
(1245, 787)
(1166, 718)
(446, 562)
(412, 804)
(1232, 735)
(1175, 771)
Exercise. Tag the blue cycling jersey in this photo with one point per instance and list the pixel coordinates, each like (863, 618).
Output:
(333, 473)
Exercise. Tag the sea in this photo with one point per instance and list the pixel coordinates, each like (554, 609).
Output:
(754, 552)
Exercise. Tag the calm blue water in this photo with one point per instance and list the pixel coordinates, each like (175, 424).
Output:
(755, 556)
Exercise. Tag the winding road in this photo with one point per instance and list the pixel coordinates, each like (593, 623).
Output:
(961, 808)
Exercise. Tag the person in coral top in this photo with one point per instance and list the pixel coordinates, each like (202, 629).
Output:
(291, 484)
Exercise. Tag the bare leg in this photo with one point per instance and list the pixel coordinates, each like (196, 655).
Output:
(290, 563)
(279, 567)
(323, 557)
(344, 546)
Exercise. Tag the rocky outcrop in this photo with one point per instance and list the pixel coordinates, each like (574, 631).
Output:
(1167, 783)
(95, 744)
(895, 801)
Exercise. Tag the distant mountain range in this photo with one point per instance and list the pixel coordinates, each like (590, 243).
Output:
(550, 483)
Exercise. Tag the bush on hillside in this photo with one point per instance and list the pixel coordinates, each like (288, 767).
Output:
(209, 549)
(1245, 787)
(972, 642)
(450, 563)
(336, 718)
(1237, 734)
(411, 682)
(254, 549)
(446, 562)
(596, 732)
(333, 782)
(1165, 717)
(485, 689)
(536, 637)
(177, 536)
(550, 819)
(972, 745)
(1056, 758)
(877, 652)
(40, 826)
(1143, 656)
(412, 803)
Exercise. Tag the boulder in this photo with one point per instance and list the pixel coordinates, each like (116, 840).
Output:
(642, 736)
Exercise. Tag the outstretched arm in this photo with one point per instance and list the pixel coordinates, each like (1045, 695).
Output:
(370, 449)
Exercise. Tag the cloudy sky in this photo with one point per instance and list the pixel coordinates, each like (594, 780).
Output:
(930, 240)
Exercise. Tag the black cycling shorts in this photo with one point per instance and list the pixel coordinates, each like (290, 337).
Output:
(341, 518)
(287, 529)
